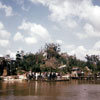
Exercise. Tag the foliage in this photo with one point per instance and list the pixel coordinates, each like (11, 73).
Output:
(93, 62)
(48, 59)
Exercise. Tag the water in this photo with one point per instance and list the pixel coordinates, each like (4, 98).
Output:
(70, 90)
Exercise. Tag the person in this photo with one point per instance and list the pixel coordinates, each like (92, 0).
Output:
(33, 75)
(36, 76)
(50, 77)
(54, 76)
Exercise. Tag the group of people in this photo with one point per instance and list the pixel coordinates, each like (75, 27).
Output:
(42, 76)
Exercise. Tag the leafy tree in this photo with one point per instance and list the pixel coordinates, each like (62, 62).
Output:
(92, 62)
(52, 50)
(2, 65)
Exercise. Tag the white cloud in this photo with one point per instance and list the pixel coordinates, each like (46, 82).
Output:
(31, 40)
(80, 52)
(69, 47)
(95, 50)
(1, 26)
(35, 30)
(4, 43)
(92, 13)
(1, 55)
(88, 31)
(18, 37)
(28, 40)
(24, 8)
(59, 41)
(74, 12)
(4, 36)
(71, 23)
(40, 30)
(97, 46)
(65, 8)
(81, 35)
(12, 54)
(3, 33)
(20, 1)
(8, 9)
(40, 1)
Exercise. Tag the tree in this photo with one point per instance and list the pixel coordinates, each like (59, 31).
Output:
(52, 50)
(2, 65)
(92, 61)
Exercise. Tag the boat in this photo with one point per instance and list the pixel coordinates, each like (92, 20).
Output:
(14, 78)
(60, 80)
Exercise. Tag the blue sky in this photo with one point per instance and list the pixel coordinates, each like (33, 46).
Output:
(29, 24)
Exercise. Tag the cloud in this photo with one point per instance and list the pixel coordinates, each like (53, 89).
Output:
(35, 30)
(97, 46)
(28, 40)
(91, 31)
(59, 9)
(62, 9)
(23, 4)
(18, 37)
(75, 12)
(1, 55)
(40, 1)
(81, 35)
(95, 50)
(88, 31)
(59, 41)
(24, 8)
(20, 1)
(8, 9)
(1, 26)
(79, 51)
(3, 33)
(69, 47)
(12, 54)
(71, 23)
(4, 43)
(4, 36)
(31, 40)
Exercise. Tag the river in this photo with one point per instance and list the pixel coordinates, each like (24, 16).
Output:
(70, 90)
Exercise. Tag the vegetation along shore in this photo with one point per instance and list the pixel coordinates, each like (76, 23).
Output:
(49, 63)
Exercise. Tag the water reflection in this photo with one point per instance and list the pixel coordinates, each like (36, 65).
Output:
(71, 90)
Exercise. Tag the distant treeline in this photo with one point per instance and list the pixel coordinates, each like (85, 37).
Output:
(47, 59)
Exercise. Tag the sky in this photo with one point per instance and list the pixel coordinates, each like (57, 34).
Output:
(29, 24)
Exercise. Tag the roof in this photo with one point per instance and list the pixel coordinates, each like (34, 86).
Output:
(63, 66)
(75, 69)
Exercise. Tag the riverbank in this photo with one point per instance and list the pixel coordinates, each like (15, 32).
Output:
(57, 79)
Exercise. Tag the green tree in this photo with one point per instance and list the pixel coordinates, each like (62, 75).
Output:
(92, 61)
(52, 50)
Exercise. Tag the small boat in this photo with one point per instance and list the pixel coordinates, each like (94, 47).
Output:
(7, 78)
(61, 80)
(13, 78)
(57, 80)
